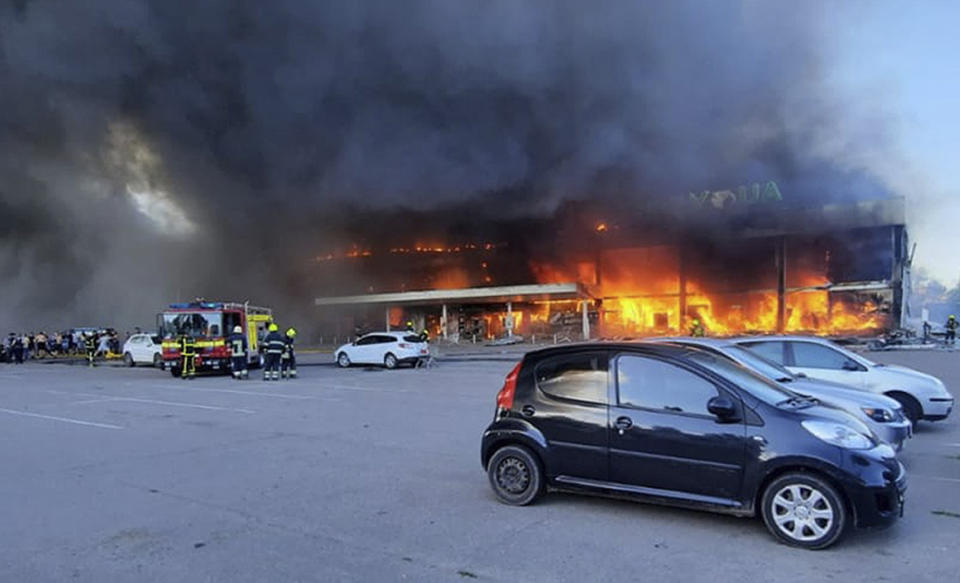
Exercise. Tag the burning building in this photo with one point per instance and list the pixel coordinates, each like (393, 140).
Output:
(738, 261)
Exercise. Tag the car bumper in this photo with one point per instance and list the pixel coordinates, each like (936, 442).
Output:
(894, 433)
(937, 408)
(876, 489)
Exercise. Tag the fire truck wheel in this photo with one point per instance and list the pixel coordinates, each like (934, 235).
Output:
(343, 360)
(157, 361)
(128, 359)
(175, 369)
(390, 361)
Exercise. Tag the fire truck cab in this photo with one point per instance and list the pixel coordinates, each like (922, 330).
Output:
(209, 323)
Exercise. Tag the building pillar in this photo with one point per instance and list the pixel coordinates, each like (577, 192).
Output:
(682, 269)
(585, 319)
(780, 258)
(509, 322)
(388, 319)
(443, 321)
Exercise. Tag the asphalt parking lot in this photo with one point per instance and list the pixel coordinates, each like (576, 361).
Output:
(115, 474)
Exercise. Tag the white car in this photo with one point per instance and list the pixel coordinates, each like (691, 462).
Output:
(389, 349)
(143, 349)
(922, 396)
(883, 415)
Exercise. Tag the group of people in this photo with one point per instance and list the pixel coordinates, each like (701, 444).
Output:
(20, 347)
(279, 357)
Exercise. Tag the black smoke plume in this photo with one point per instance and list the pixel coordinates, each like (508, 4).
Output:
(154, 150)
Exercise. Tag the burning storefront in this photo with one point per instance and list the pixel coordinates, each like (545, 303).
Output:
(736, 261)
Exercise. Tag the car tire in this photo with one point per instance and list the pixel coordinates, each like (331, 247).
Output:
(175, 369)
(157, 361)
(390, 361)
(804, 510)
(343, 361)
(515, 475)
(128, 359)
(911, 408)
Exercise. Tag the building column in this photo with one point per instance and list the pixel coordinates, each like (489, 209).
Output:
(781, 263)
(443, 321)
(682, 269)
(585, 319)
(509, 322)
(388, 319)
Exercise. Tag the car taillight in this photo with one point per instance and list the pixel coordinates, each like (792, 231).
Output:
(505, 396)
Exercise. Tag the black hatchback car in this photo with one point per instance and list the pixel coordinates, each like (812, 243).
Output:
(675, 425)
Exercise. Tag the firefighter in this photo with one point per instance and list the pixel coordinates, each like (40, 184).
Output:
(409, 327)
(90, 346)
(238, 353)
(188, 357)
(288, 360)
(424, 335)
(697, 330)
(951, 326)
(274, 344)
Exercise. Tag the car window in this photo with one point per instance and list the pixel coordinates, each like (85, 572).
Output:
(579, 377)
(654, 384)
(136, 339)
(810, 355)
(411, 338)
(769, 350)
(386, 339)
(367, 340)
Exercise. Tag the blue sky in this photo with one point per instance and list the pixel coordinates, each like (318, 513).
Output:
(902, 60)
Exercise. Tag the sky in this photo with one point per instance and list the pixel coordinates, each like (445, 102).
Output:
(907, 55)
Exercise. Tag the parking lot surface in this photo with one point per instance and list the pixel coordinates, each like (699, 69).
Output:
(116, 474)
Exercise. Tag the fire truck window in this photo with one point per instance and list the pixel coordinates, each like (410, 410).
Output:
(230, 320)
(214, 330)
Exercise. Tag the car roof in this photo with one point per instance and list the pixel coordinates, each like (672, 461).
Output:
(695, 340)
(397, 334)
(657, 348)
(781, 338)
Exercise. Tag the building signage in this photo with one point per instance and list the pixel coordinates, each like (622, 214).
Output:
(743, 195)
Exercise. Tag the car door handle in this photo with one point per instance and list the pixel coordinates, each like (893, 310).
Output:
(528, 411)
(623, 423)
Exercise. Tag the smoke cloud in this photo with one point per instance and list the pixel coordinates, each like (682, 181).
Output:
(158, 150)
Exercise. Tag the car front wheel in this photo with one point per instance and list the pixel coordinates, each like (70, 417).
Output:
(343, 360)
(515, 475)
(128, 359)
(804, 510)
(157, 361)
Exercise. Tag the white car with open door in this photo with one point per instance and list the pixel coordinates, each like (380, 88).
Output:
(389, 349)
(143, 349)
(922, 396)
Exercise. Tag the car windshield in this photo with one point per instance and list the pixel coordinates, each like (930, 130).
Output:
(760, 387)
(759, 364)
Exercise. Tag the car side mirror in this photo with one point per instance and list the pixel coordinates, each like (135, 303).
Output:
(723, 408)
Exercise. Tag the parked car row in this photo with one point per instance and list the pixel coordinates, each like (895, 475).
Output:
(778, 427)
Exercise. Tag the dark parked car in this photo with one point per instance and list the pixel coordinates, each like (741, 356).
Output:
(679, 426)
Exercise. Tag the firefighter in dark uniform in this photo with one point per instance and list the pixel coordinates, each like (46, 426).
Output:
(697, 330)
(274, 344)
(237, 343)
(424, 335)
(409, 327)
(288, 360)
(90, 346)
(188, 357)
(951, 326)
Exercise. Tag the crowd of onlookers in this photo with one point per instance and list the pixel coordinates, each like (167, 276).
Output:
(17, 348)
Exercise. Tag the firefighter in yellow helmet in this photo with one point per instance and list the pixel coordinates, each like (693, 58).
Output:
(188, 357)
(288, 360)
(274, 344)
(951, 326)
(697, 330)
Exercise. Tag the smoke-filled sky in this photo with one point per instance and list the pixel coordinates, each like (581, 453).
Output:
(152, 150)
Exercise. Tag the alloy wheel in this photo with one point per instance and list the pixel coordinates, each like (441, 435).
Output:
(802, 512)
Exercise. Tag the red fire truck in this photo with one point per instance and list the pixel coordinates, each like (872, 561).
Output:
(209, 323)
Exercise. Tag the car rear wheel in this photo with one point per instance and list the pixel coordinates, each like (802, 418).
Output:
(343, 360)
(128, 359)
(804, 510)
(390, 361)
(515, 475)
